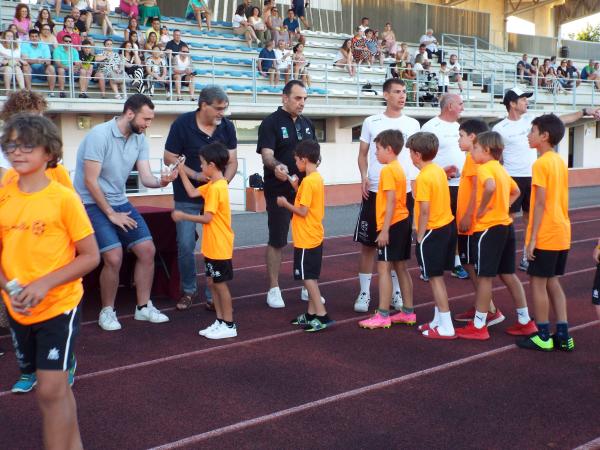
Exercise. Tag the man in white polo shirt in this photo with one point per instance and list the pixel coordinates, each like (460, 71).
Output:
(449, 156)
(518, 157)
(394, 92)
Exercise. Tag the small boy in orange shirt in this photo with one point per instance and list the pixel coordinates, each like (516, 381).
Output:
(308, 211)
(465, 213)
(548, 236)
(436, 230)
(394, 238)
(217, 236)
(46, 244)
(494, 246)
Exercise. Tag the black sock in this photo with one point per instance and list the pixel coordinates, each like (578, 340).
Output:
(220, 320)
(229, 324)
(324, 319)
(562, 330)
(310, 317)
(140, 307)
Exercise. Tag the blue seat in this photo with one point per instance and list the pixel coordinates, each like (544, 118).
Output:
(197, 33)
(219, 73)
(229, 47)
(247, 62)
(238, 88)
(213, 46)
(179, 19)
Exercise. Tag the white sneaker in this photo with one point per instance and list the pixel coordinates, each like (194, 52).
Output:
(362, 302)
(209, 328)
(274, 298)
(397, 301)
(108, 319)
(222, 331)
(150, 314)
(304, 296)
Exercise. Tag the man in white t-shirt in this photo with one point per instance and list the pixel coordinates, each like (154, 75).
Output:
(518, 157)
(431, 45)
(284, 60)
(449, 156)
(455, 71)
(394, 92)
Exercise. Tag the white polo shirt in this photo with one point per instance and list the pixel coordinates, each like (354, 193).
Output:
(518, 157)
(449, 153)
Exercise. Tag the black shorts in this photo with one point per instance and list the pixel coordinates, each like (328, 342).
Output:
(596, 287)
(522, 202)
(453, 199)
(220, 270)
(307, 263)
(410, 205)
(464, 248)
(365, 231)
(494, 251)
(548, 263)
(442, 89)
(435, 252)
(278, 218)
(299, 8)
(398, 248)
(46, 345)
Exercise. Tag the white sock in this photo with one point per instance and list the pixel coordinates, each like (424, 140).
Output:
(395, 282)
(365, 283)
(457, 261)
(445, 328)
(479, 319)
(523, 315)
(436, 318)
(274, 290)
(524, 253)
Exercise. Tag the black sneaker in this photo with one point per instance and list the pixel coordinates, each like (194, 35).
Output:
(1, 351)
(300, 320)
(62, 95)
(566, 345)
(535, 342)
(524, 265)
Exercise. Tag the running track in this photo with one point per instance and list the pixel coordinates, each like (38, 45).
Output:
(163, 386)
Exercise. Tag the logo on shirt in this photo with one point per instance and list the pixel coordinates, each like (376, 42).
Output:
(284, 133)
(38, 227)
(212, 271)
(53, 354)
(595, 293)
(297, 272)
(307, 130)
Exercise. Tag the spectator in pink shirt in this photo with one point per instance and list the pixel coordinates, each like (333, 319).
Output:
(129, 7)
(69, 30)
(22, 21)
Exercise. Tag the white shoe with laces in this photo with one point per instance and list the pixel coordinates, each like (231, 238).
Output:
(150, 314)
(304, 296)
(397, 301)
(209, 328)
(274, 298)
(362, 302)
(222, 331)
(108, 319)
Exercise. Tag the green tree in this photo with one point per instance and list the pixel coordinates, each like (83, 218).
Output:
(589, 33)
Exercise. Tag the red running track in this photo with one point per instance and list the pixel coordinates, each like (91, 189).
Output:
(278, 387)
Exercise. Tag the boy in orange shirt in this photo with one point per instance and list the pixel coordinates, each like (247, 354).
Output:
(58, 173)
(465, 212)
(436, 230)
(47, 244)
(217, 236)
(308, 211)
(493, 245)
(394, 238)
(548, 236)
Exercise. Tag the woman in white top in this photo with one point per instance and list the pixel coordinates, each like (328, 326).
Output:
(183, 72)
(259, 26)
(241, 26)
(10, 54)
(389, 40)
(344, 59)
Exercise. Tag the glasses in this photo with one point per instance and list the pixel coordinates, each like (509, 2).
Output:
(298, 127)
(11, 147)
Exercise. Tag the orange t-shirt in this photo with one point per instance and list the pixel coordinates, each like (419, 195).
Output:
(497, 209)
(59, 173)
(217, 235)
(38, 233)
(432, 186)
(308, 232)
(465, 191)
(550, 172)
(391, 178)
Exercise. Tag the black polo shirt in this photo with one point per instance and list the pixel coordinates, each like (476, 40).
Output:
(281, 134)
(174, 46)
(185, 138)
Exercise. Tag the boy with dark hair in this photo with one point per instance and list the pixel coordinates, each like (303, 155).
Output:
(548, 236)
(394, 233)
(493, 245)
(436, 232)
(308, 211)
(41, 217)
(465, 212)
(217, 236)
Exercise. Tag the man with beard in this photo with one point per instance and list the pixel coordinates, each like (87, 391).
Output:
(188, 135)
(104, 161)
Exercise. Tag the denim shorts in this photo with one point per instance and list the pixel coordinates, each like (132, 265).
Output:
(110, 236)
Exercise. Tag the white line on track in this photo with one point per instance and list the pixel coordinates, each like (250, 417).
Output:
(592, 445)
(218, 432)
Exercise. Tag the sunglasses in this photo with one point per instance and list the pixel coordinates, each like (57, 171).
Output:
(11, 147)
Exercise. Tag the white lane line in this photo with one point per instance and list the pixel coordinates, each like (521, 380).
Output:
(218, 432)
(592, 445)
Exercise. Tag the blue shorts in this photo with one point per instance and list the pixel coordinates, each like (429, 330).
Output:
(299, 8)
(39, 72)
(110, 236)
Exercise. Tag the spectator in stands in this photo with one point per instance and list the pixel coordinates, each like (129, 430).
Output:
(183, 72)
(155, 28)
(156, 73)
(409, 76)
(299, 10)
(292, 25)
(22, 20)
(524, 69)
(553, 62)
(284, 59)
(344, 59)
(300, 65)
(360, 51)
(100, 14)
(422, 53)
(278, 31)
(403, 54)
(151, 42)
(247, 8)
(69, 30)
(198, 9)
(12, 64)
(455, 71)
(56, 4)
(372, 44)
(242, 27)
(591, 72)
(259, 26)
(133, 38)
(133, 25)
(129, 8)
(164, 37)
(81, 5)
(389, 40)
(66, 59)
(562, 75)
(44, 18)
(266, 14)
(148, 9)
(47, 37)
(112, 67)
(266, 63)
(587, 70)
(88, 63)
(174, 46)
(573, 73)
(443, 78)
(83, 20)
(431, 45)
(133, 66)
(39, 59)
(364, 24)
(534, 71)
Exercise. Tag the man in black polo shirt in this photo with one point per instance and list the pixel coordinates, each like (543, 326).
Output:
(188, 134)
(278, 135)
(175, 44)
